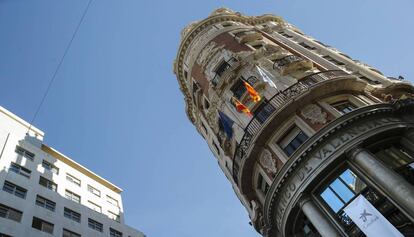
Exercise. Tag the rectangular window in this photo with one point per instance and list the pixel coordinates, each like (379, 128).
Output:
(112, 201)
(25, 153)
(45, 203)
(10, 213)
(238, 89)
(95, 225)
(71, 214)
(49, 166)
(14, 189)
(285, 34)
(72, 196)
(344, 106)
(222, 67)
(303, 44)
(345, 187)
(42, 225)
(18, 169)
(48, 184)
(263, 112)
(94, 190)
(94, 207)
(262, 184)
(114, 233)
(73, 179)
(68, 233)
(114, 216)
(291, 141)
(332, 60)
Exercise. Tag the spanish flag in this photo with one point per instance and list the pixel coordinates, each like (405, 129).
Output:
(252, 92)
(241, 107)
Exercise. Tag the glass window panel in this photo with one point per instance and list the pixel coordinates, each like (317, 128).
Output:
(73, 179)
(112, 201)
(353, 182)
(332, 200)
(302, 137)
(295, 143)
(15, 215)
(8, 187)
(20, 192)
(289, 150)
(342, 190)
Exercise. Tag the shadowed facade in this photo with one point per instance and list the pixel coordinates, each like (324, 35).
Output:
(299, 128)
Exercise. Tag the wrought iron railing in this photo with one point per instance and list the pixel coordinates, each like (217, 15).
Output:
(267, 108)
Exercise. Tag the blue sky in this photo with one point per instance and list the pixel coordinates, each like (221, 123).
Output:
(116, 108)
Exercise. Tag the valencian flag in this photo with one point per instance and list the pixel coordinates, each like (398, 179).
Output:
(226, 123)
(241, 107)
(252, 92)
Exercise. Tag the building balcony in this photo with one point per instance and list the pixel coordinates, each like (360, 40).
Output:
(239, 89)
(248, 36)
(292, 63)
(225, 72)
(268, 108)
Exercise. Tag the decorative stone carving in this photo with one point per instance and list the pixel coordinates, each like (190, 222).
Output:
(188, 28)
(222, 10)
(199, 42)
(267, 161)
(211, 114)
(217, 55)
(314, 113)
(207, 53)
(387, 97)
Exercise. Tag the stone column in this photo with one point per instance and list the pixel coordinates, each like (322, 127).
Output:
(317, 218)
(395, 186)
(408, 140)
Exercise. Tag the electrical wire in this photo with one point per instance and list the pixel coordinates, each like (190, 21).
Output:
(52, 79)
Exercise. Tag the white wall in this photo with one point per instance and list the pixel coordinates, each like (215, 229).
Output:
(12, 133)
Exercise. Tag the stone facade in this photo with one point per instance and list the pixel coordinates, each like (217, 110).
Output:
(322, 116)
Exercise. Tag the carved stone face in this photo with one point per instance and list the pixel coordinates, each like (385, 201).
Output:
(314, 113)
(267, 161)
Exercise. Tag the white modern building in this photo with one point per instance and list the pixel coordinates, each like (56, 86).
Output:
(45, 193)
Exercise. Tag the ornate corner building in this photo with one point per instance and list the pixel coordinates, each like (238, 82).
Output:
(299, 128)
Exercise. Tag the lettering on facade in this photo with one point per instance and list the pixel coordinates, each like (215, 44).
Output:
(318, 156)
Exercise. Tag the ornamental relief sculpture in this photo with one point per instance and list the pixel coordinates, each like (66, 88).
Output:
(207, 53)
(199, 40)
(211, 114)
(315, 114)
(217, 56)
(268, 162)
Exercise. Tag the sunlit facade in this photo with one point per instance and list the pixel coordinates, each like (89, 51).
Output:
(299, 128)
(45, 193)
